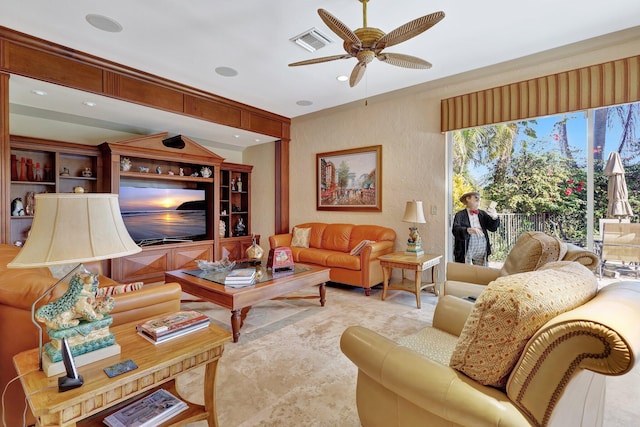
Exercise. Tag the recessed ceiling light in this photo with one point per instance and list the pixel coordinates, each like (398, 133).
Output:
(104, 23)
(236, 136)
(257, 140)
(226, 71)
(342, 78)
(89, 103)
(304, 103)
(39, 92)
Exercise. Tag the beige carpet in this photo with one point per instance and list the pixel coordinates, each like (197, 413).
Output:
(288, 370)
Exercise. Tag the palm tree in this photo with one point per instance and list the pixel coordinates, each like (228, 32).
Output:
(628, 117)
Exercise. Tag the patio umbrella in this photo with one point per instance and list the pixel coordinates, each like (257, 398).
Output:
(618, 196)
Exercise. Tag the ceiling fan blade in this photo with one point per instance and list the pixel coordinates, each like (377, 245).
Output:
(408, 30)
(357, 73)
(406, 61)
(319, 60)
(339, 28)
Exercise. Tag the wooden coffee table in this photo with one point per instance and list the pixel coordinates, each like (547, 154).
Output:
(240, 300)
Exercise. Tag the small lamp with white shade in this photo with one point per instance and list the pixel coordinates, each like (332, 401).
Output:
(414, 214)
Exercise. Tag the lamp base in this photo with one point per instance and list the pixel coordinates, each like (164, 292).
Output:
(414, 249)
(54, 368)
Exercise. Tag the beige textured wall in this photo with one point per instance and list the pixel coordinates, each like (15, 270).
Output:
(262, 157)
(414, 152)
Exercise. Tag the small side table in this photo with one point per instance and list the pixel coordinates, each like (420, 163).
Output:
(418, 264)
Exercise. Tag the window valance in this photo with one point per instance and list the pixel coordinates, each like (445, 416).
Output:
(614, 82)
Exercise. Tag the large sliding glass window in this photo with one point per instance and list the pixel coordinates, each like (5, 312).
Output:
(543, 173)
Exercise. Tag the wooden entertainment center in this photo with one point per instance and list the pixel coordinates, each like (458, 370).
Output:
(156, 162)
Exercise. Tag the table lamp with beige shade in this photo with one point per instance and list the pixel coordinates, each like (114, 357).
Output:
(414, 214)
(72, 229)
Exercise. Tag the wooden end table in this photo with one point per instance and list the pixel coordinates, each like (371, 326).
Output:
(405, 261)
(158, 367)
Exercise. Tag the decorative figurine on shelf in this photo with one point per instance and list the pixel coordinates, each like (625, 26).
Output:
(17, 208)
(144, 169)
(222, 228)
(48, 175)
(239, 183)
(125, 164)
(233, 184)
(170, 173)
(241, 229)
(30, 203)
(65, 171)
(30, 176)
(87, 173)
(181, 173)
(38, 174)
(205, 172)
(158, 170)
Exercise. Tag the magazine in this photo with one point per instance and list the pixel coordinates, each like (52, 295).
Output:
(149, 411)
(240, 276)
(172, 323)
(174, 334)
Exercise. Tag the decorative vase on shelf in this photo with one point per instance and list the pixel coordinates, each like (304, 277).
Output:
(222, 228)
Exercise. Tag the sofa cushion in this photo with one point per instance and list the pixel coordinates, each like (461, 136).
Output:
(532, 250)
(340, 260)
(432, 343)
(510, 310)
(336, 237)
(314, 256)
(301, 237)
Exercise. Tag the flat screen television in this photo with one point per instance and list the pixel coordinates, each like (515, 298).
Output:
(163, 215)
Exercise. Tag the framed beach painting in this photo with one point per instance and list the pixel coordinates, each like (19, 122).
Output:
(349, 180)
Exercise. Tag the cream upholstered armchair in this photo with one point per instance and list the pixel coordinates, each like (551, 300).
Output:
(440, 375)
(532, 250)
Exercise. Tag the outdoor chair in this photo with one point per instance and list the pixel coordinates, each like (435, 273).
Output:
(621, 242)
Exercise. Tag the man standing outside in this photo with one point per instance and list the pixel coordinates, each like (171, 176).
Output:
(470, 230)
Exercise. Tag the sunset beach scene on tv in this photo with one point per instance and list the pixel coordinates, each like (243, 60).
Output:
(158, 215)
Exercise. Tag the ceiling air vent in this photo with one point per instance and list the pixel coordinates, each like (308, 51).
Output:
(312, 40)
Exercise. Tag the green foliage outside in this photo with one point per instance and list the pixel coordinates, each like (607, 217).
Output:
(544, 188)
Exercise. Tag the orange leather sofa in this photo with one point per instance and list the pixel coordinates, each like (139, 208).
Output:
(19, 288)
(330, 245)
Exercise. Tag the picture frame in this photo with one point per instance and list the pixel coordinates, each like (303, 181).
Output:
(349, 180)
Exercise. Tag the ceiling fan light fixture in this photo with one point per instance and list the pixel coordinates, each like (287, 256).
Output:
(311, 40)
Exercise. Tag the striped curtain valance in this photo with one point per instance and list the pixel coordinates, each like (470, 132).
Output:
(610, 83)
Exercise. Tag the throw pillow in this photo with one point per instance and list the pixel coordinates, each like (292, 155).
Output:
(107, 291)
(531, 251)
(510, 310)
(358, 248)
(301, 237)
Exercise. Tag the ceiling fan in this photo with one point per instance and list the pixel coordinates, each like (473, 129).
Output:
(367, 43)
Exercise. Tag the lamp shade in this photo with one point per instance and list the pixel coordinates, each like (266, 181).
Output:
(413, 212)
(75, 228)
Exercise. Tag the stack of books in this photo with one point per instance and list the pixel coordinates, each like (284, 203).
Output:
(149, 411)
(172, 326)
(240, 277)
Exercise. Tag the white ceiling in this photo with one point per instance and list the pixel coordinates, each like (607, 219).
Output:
(186, 41)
